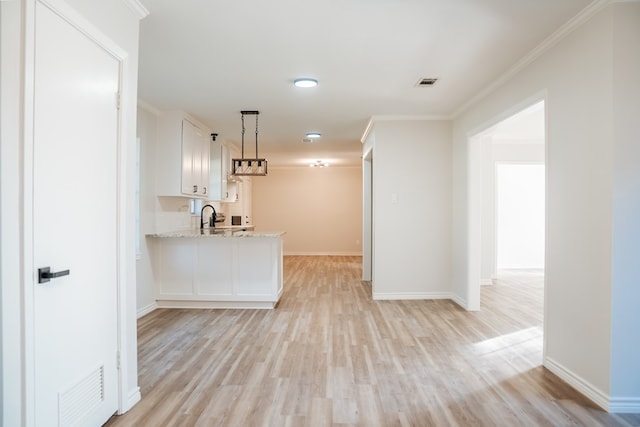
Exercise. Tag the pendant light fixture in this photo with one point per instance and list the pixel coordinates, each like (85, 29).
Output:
(249, 167)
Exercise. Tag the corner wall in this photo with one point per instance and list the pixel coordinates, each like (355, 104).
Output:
(579, 321)
(625, 345)
(120, 23)
(147, 131)
(11, 355)
(411, 209)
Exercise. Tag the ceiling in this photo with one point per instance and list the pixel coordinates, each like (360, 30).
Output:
(214, 58)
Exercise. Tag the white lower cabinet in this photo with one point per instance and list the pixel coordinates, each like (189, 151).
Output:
(218, 272)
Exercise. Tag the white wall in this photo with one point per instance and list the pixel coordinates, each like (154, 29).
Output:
(319, 208)
(580, 153)
(625, 345)
(411, 209)
(11, 362)
(119, 22)
(147, 132)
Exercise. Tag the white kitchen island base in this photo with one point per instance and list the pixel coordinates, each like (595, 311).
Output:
(217, 270)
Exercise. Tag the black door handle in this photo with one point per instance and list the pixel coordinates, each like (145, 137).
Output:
(45, 274)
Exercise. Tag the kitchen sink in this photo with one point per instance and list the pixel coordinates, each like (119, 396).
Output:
(213, 231)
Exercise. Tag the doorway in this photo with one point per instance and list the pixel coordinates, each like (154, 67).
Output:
(504, 148)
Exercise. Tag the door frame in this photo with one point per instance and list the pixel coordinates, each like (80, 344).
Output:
(28, 268)
(473, 198)
(367, 216)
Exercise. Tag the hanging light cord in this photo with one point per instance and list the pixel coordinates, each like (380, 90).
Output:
(256, 136)
(242, 118)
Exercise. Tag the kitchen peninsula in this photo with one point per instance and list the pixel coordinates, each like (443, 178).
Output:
(226, 267)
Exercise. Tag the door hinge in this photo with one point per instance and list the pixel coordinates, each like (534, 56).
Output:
(117, 100)
(118, 359)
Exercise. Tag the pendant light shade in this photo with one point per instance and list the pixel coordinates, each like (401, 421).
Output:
(249, 166)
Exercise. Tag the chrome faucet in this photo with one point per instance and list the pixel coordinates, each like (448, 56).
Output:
(213, 216)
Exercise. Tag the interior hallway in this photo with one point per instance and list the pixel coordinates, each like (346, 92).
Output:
(330, 355)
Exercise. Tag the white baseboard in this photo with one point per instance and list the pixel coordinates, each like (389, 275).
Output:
(133, 397)
(624, 405)
(217, 304)
(411, 295)
(583, 386)
(146, 310)
(486, 282)
(311, 253)
(462, 303)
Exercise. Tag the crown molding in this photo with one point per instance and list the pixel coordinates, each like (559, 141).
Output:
(397, 118)
(137, 8)
(401, 117)
(148, 107)
(569, 27)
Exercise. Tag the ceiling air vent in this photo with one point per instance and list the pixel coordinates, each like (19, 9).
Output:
(426, 82)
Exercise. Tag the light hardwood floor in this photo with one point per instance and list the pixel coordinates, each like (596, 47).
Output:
(329, 355)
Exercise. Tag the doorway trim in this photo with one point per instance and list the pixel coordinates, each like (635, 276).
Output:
(474, 195)
(367, 216)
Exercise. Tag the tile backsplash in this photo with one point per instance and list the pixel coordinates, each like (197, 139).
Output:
(174, 213)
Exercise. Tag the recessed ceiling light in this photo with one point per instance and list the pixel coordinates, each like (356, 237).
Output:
(314, 134)
(305, 82)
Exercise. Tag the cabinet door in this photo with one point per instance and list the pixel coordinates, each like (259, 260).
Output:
(246, 201)
(230, 190)
(195, 160)
(202, 159)
(215, 173)
(190, 144)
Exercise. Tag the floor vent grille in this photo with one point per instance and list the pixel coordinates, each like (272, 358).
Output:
(81, 399)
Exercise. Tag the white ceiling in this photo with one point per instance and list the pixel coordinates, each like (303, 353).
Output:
(213, 58)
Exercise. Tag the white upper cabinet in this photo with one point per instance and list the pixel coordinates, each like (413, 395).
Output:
(222, 186)
(182, 156)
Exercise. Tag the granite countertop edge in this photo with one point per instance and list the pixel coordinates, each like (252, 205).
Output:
(234, 231)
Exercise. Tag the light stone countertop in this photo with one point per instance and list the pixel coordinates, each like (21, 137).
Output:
(218, 232)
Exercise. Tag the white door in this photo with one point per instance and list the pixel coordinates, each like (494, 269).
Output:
(74, 225)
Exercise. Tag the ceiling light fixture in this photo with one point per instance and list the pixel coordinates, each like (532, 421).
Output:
(250, 167)
(314, 134)
(305, 82)
(319, 164)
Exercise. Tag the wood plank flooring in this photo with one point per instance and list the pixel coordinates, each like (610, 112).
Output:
(329, 355)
